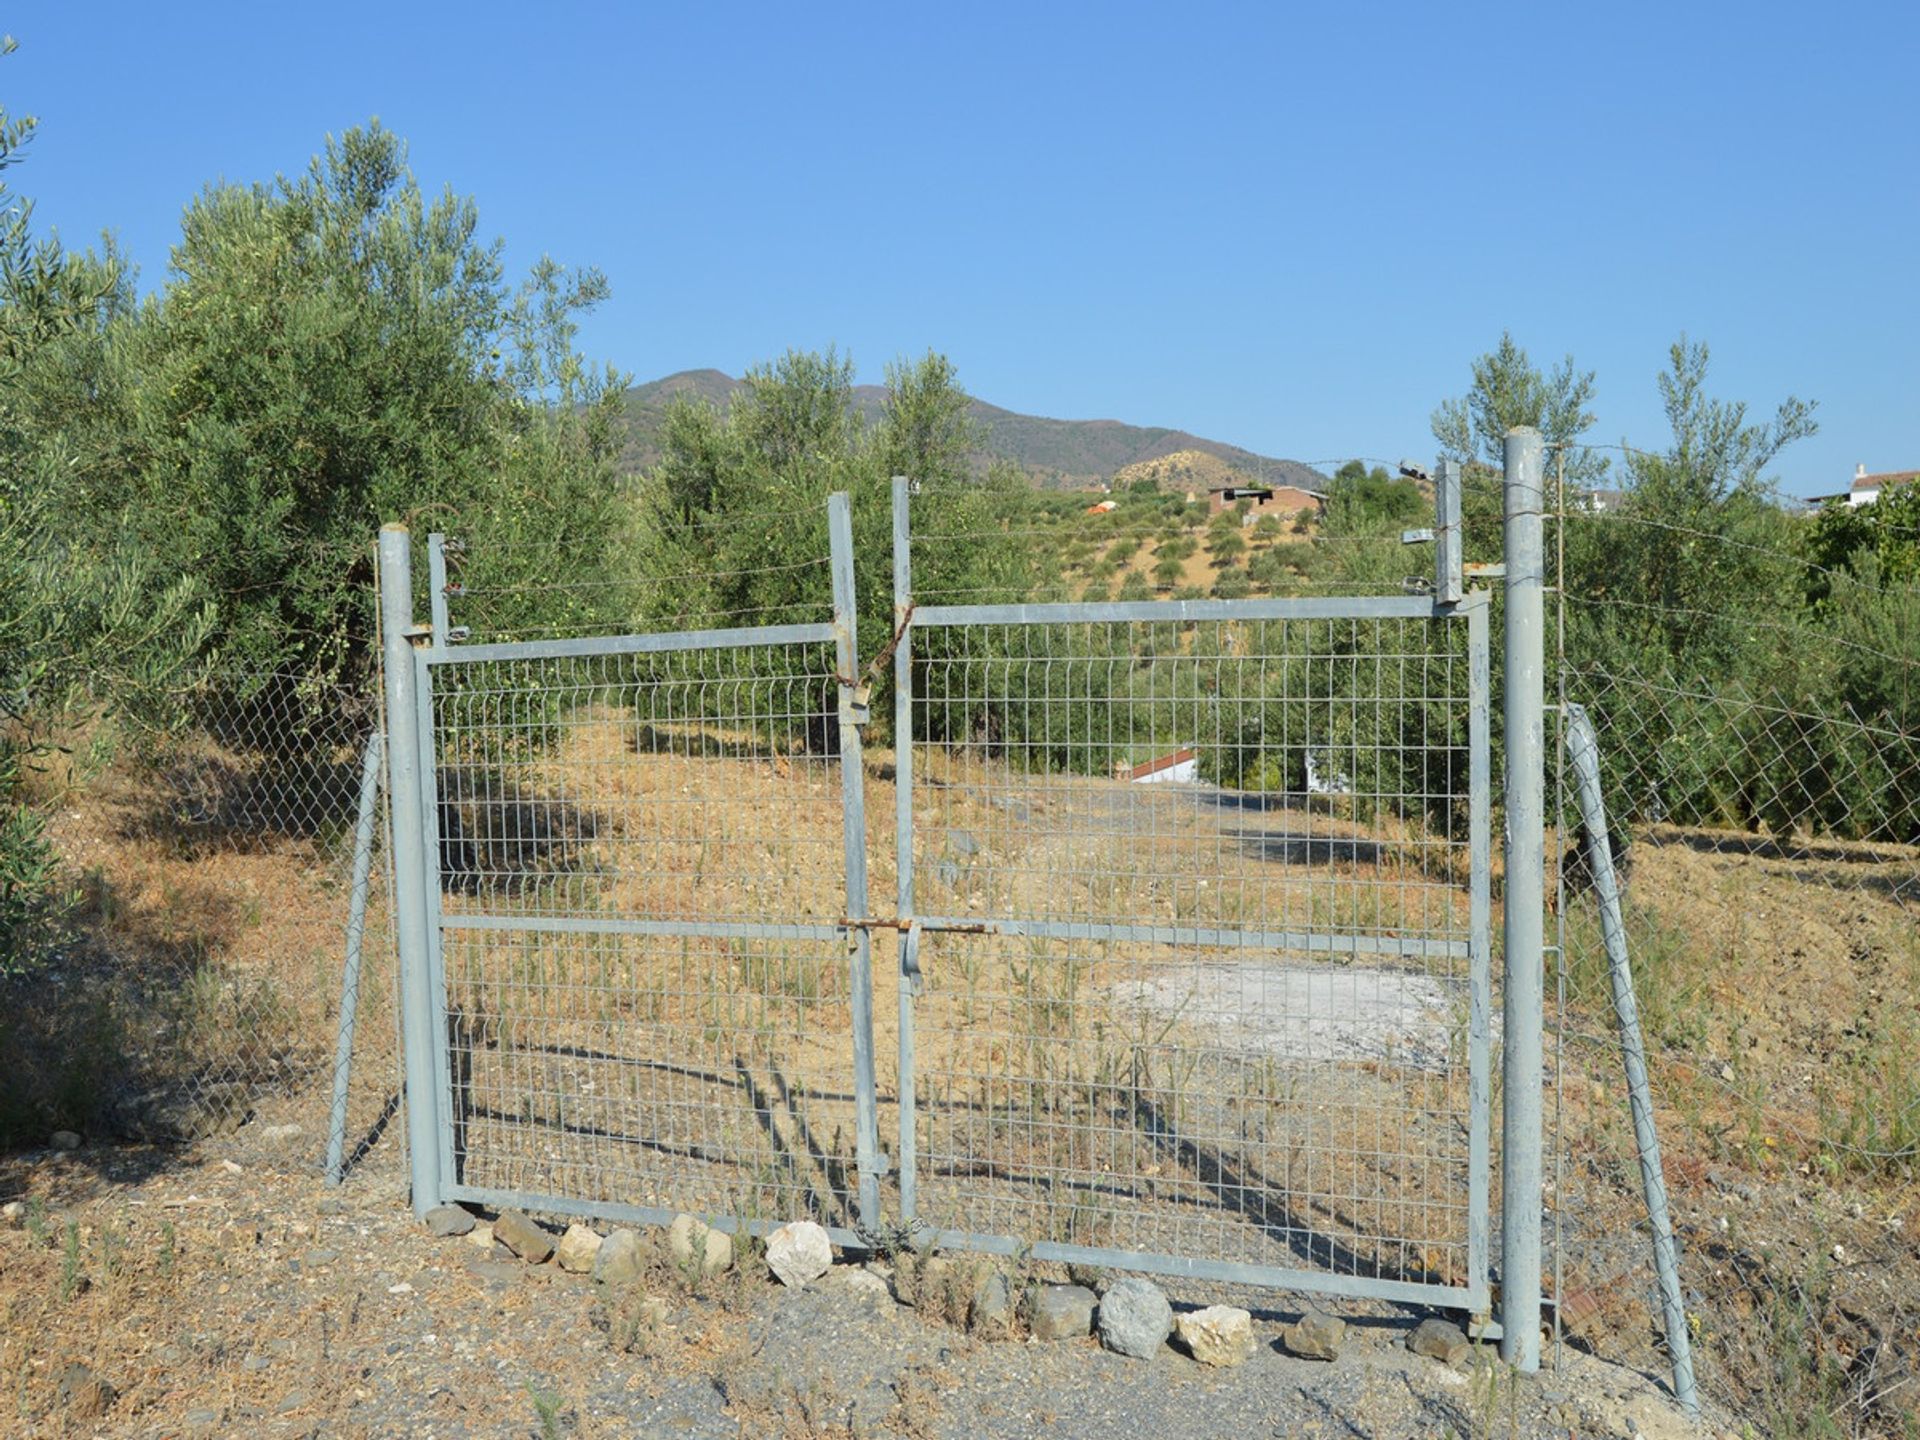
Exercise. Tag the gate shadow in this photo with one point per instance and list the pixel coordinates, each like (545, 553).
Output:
(810, 1170)
(1243, 1188)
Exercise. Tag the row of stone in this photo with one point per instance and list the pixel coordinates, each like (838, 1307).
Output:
(1133, 1316)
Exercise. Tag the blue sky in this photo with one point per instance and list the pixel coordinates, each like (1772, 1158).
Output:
(1289, 228)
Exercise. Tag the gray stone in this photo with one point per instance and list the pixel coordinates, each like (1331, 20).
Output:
(620, 1260)
(523, 1237)
(798, 1253)
(991, 1308)
(497, 1273)
(866, 1287)
(449, 1220)
(1062, 1312)
(1135, 1318)
(577, 1248)
(84, 1393)
(294, 1401)
(320, 1256)
(961, 842)
(13, 1214)
(64, 1140)
(1220, 1335)
(1315, 1336)
(698, 1249)
(187, 1113)
(202, 1419)
(1441, 1340)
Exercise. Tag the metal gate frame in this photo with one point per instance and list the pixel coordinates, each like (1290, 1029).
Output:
(1450, 603)
(413, 654)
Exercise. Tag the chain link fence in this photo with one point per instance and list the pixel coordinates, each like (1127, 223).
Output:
(197, 987)
(1761, 768)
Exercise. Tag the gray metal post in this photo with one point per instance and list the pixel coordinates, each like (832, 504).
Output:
(1523, 1011)
(1449, 582)
(853, 706)
(406, 805)
(903, 835)
(1480, 934)
(437, 587)
(1585, 752)
(363, 829)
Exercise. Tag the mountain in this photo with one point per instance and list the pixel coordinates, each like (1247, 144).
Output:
(1054, 452)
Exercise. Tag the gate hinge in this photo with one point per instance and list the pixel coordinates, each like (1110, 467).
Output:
(910, 960)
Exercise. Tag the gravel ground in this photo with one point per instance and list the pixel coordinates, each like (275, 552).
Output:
(226, 1291)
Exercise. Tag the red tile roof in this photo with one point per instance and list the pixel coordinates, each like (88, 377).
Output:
(1884, 479)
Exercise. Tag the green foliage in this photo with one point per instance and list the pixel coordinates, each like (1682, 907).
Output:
(1232, 584)
(737, 503)
(1884, 534)
(1508, 391)
(1371, 502)
(85, 628)
(1227, 544)
(333, 351)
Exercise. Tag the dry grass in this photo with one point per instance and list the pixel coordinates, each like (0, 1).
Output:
(1057, 1102)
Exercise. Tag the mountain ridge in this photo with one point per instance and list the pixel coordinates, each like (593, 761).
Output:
(1064, 453)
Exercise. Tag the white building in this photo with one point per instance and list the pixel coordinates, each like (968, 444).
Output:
(1866, 488)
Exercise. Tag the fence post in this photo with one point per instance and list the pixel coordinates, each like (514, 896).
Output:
(903, 835)
(350, 975)
(1524, 980)
(1585, 751)
(1449, 582)
(406, 808)
(853, 707)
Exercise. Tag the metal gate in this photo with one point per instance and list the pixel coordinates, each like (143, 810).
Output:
(1196, 977)
(1192, 918)
(637, 854)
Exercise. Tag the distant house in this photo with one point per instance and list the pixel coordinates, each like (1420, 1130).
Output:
(1600, 502)
(1175, 767)
(1868, 488)
(1102, 507)
(1263, 500)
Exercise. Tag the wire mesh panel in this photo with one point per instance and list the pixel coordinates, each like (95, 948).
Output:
(641, 883)
(1203, 891)
(216, 867)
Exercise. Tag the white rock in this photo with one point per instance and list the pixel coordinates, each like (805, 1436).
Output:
(798, 1253)
(577, 1249)
(1218, 1335)
(14, 1213)
(693, 1244)
(481, 1236)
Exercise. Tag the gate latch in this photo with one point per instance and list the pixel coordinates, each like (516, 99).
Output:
(910, 959)
(858, 703)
